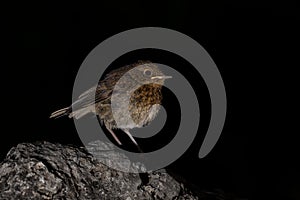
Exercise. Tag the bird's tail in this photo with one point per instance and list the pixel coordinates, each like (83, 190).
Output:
(61, 112)
(73, 114)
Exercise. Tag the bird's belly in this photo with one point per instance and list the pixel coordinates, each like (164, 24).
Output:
(133, 118)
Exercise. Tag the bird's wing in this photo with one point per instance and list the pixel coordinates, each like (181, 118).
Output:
(93, 95)
(99, 93)
(102, 91)
(88, 92)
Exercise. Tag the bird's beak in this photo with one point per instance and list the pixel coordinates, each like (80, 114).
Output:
(161, 77)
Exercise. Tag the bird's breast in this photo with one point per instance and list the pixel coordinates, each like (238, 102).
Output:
(141, 109)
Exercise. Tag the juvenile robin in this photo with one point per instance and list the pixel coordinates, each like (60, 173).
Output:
(126, 98)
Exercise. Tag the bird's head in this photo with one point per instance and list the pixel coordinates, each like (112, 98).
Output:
(147, 73)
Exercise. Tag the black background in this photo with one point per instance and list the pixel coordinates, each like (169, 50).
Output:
(255, 47)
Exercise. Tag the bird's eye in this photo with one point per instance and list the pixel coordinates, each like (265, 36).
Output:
(147, 72)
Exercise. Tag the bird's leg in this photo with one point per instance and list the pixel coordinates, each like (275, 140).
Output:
(132, 139)
(114, 136)
(143, 176)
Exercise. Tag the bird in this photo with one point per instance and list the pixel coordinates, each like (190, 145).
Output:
(128, 97)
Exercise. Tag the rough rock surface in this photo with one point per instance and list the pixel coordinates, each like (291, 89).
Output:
(52, 171)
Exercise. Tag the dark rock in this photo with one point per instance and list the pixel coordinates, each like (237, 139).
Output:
(52, 171)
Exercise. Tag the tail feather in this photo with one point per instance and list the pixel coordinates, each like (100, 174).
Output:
(73, 114)
(61, 112)
(80, 113)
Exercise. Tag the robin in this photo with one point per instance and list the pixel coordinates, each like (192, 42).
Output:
(128, 97)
